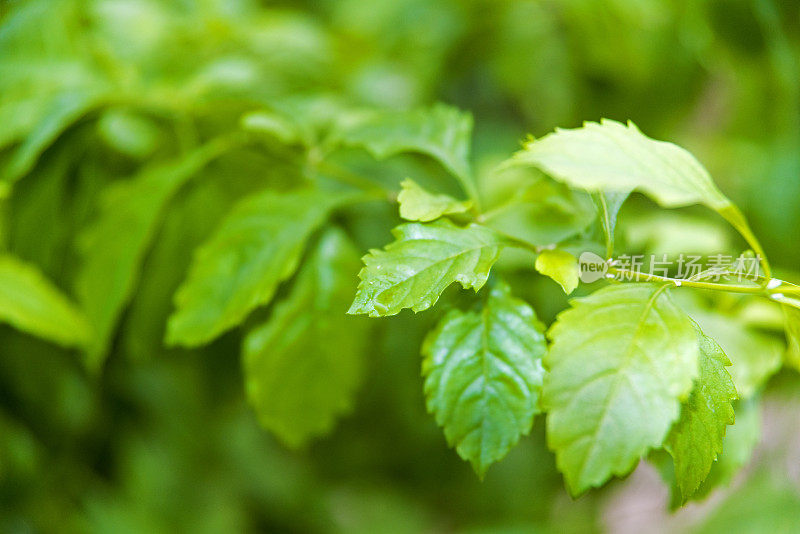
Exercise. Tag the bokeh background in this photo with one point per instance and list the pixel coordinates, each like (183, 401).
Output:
(162, 440)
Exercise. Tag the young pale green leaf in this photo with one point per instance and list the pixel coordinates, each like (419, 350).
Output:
(256, 247)
(622, 361)
(561, 266)
(114, 247)
(696, 439)
(31, 303)
(413, 271)
(756, 356)
(302, 365)
(483, 376)
(611, 156)
(417, 204)
(441, 132)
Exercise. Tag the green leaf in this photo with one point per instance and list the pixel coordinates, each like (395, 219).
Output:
(417, 204)
(613, 157)
(40, 226)
(114, 246)
(696, 439)
(193, 215)
(65, 110)
(31, 303)
(441, 132)
(256, 247)
(483, 376)
(737, 447)
(561, 266)
(622, 361)
(755, 356)
(535, 208)
(413, 271)
(302, 365)
(610, 156)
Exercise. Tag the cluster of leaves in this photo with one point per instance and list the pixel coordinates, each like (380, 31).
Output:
(158, 197)
(627, 370)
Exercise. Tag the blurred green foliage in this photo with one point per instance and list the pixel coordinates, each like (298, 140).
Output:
(98, 95)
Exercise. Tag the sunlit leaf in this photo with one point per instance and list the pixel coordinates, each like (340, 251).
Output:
(610, 156)
(622, 361)
(417, 204)
(561, 266)
(423, 260)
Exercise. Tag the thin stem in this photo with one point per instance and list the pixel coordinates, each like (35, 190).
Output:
(770, 287)
(647, 277)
